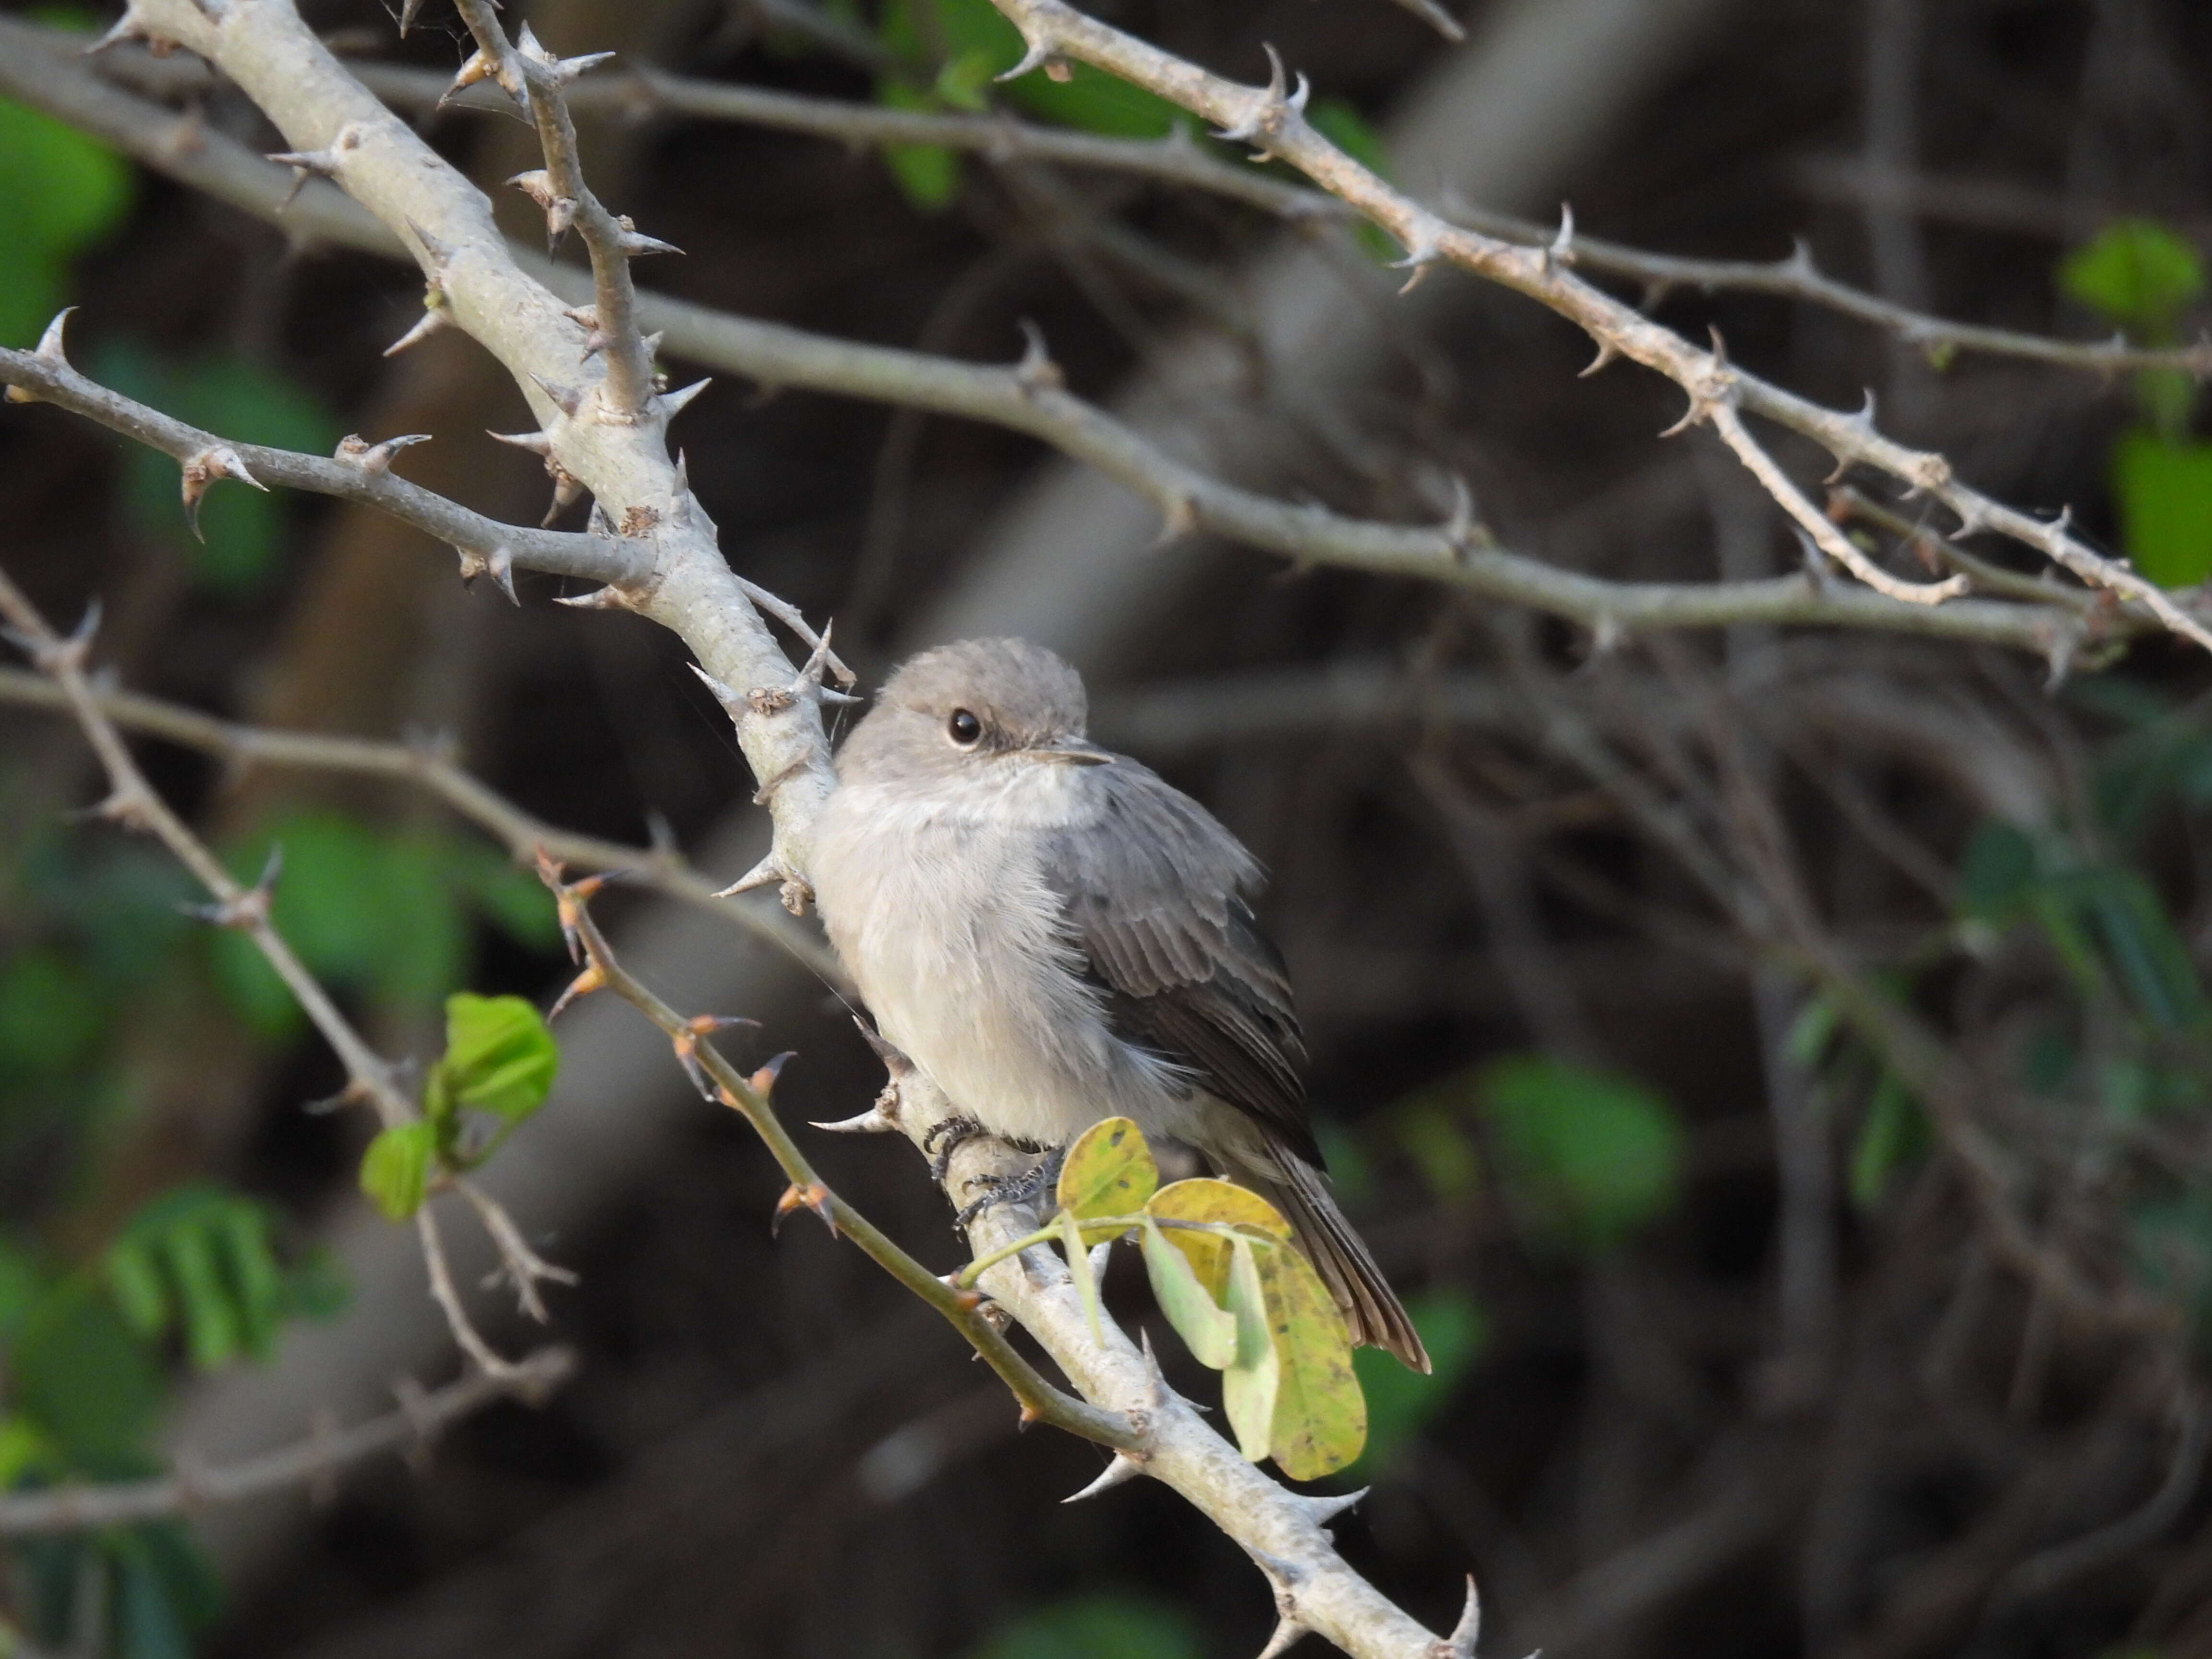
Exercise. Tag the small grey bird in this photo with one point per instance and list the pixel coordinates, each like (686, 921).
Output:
(1054, 935)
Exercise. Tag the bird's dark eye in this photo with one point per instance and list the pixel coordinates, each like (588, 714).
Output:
(963, 728)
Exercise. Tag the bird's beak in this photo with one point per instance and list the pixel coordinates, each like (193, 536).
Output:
(1077, 751)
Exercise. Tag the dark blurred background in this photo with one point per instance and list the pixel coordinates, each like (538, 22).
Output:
(1773, 1064)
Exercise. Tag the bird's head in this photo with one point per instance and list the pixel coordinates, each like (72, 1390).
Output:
(980, 703)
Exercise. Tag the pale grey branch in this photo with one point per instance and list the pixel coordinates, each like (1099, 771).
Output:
(781, 356)
(429, 767)
(312, 1463)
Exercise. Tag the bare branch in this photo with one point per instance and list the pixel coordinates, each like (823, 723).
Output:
(132, 802)
(312, 1461)
(45, 378)
(1271, 119)
(775, 356)
(749, 1097)
(1796, 277)
(430, 767)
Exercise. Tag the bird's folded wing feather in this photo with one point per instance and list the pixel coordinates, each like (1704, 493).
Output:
(1152, 895)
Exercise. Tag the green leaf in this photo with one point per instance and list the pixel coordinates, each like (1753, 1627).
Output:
(927, 175)
(1585, 1159)
(1401, 1402)
(210, 1318)
(1248, 1386)
(1893, 1133)
(2136, 273)
(1206, 1199)
(52, 1015)
(511, 898)
(1078, 1269)
(25, 1450)
(65, 192)
(78, 1373)
(249, 1265)
(1999, 866)
(396, 1167)
(135, 1284)
(2141, 941)
(1435, 1137)
(1207, 1329)
(242, 529)
(499, 1059)
(1320, 1418)
(1108, 1171)
(1095, 1626)
(2164, 491)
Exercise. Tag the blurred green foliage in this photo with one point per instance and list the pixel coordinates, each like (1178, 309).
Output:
(947, 55)
(368, 911)
(2142, 278)
(1102, 1626)
(1585, 1159)
(240, 545)
(1401, 1401)
(85, 1348)
(93, 934)
(65, 193)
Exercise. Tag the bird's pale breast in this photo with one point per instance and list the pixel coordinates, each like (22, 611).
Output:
(936, 904)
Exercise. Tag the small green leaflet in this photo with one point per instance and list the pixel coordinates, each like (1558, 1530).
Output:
(396, 1169)
(1248, 1386)
(500, 1058)
(1207, 1329)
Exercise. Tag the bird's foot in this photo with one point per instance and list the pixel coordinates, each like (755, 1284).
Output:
(955, 1132)
(1039, 1177)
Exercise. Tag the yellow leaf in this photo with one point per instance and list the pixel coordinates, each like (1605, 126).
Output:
(1220, 1202)
(1108, 1171)
(1321, 1417)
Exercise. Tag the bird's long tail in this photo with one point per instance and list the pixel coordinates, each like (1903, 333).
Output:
(1377, 1319)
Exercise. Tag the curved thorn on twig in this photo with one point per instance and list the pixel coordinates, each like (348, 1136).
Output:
(1121, 1470)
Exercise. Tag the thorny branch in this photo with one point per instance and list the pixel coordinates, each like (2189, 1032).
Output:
(1271, 119)
(1456, 552)
(132, 802)
(312, 1463)
(433, 767)
(641, 92)
(1126, 1403)
(718, 1080)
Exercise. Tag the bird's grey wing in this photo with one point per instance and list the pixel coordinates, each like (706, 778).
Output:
(1152, 892)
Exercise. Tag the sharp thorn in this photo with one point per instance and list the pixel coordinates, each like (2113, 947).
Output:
(1035, 55)
(1122, 1469)
(1287, 1632)
(1460, 1645)
(672, 403)
(609, 598)
(537, 443)
(768, 872)
(1325, 1508)
(500, 565)
(50, 343)
(566, 398)
(433, 318)
(874, 1122)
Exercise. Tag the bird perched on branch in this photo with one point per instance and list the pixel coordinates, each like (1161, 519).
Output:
(1054, 935)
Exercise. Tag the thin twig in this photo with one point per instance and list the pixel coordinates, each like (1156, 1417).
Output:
(427, 765)
(1453, 553)
(750, 1098)
(133, 803)
(1271, 119)
(81, 1507)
